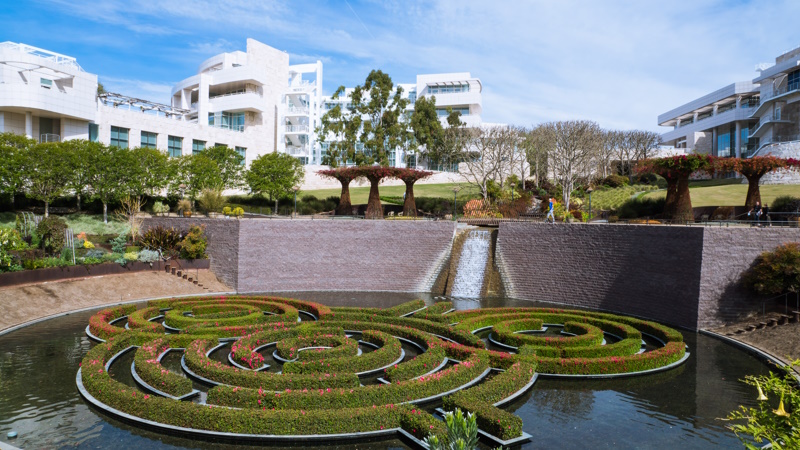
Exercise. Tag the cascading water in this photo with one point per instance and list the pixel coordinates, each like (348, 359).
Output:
(471, 269)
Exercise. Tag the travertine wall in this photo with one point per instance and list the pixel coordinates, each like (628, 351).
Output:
(684, 276)
(324, 255)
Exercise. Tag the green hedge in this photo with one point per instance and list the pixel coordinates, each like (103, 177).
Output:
(153, 373)
(138, 320)
(388, 352)
(98, 323)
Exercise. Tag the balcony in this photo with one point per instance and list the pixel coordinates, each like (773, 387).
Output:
(297, 150)
(767, 119)
(303, 86)
(296, 129)
(49, 137)
(295, 111)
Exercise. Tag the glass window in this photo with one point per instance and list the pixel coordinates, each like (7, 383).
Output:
(724, 144)
(448, 89)
(442, 112)
(242, 151)
(793, 80)
(149, 139)
(198, 146)
(46, 83)
(392, 158)
(227, 120)
(119, 137)
(174, 146)
(94, 132)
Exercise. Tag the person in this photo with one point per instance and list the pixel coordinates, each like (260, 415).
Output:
(550, 212)
(765, 214)
(756, 212)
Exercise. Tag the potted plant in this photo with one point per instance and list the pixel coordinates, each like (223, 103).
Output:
(185, 206)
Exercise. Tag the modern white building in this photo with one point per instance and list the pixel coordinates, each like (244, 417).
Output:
(744, 119)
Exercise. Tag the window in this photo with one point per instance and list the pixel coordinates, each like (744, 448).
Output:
(442, 112)
(392, 158)
(198, 146)
(411, 161)
(412, 96)
(726, 142)
(227, 120)
(174, 146)
(455, 88)
(119, 137)
(149, 139)
(94, 132)
(46, 83)
(242, 151)
(793, 81)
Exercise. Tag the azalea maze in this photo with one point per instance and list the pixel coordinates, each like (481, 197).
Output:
(278, 369)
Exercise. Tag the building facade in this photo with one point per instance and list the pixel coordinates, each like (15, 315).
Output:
(744, 119)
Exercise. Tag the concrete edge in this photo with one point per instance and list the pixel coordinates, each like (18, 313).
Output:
(763, 354)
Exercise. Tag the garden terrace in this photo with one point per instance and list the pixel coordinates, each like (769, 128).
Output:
(275, 373)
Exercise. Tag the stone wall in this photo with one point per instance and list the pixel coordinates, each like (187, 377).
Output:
(684, 276)
(254, 255)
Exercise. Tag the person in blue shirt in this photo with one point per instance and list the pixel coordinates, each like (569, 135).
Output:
(550, 212)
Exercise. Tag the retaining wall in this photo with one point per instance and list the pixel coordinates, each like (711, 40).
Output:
(685, 276)
(254, 255)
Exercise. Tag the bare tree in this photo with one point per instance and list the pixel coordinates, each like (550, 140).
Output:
(625, 152)
(535, 147)
(572, 149)
(643, 142)
(489, 156)
(607, 150)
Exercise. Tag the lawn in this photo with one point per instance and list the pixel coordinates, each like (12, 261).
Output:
(86, 223)
(359, 195)
(712, 193)
(607, 198)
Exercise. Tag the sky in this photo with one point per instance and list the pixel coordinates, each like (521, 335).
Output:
(619, 63)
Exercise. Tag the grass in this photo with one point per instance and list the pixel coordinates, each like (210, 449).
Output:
(359, 195)
(80, 223)
(729, 194)
(613, 198)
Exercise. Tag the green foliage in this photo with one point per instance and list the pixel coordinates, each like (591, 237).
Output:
(613, 198)
(775, 272)
(118, 243)
(165, 239)
(193, 245)
(211, 200)
(47, 175)
(195, 174)
(785, 203)
(148, 256)
(615, 181)
(229, 163)
(10, 239)
(462, 433)
(780, 426)
(144, 171)
(13, 150)
(160, 208)
(641, 207)
(274, 175)
(51, 231)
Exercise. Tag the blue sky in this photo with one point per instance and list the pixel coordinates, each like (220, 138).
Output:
(620, 63)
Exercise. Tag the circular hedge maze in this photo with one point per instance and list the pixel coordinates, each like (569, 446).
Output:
(266, 368)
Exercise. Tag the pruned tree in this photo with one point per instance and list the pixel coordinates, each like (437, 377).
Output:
(148, 171)
(230, 164)
(753, 169)
(409, 177)
(677, 170)
(488, 155)
(13, 149)
(344, 175)
(47, 175)
(572, 148)
(81, 159)
(375, 174)
(274, 175)
(107, 180)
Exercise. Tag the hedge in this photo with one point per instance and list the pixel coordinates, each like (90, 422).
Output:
(389, 351)
(138, 320)
(153, 373)
(98, 323)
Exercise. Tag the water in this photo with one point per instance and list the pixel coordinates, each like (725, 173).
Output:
(472, 265)
(676, 409)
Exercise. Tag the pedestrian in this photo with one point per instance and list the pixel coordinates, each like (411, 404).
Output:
(765, 215)
(756, 213)
(550, 212)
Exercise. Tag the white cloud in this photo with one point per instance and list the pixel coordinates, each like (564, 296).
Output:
(141, 89)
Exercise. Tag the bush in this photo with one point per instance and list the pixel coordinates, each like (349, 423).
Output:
(211, 200)
(160, 208)
(10, 240)
(193, 246)
(184, 206)
(119, 243)
(652, 180)
(785, 203)
(51, 231)
(722, 213)
(615, 181)
(775, 272)
(148, 256)
(640, 207)
(166, 239)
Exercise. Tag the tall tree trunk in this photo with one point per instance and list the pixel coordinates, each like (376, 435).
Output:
(409, 205)
(345, 208)
(13, 193)
(276, 206)
(374, 207)
(753, 191)
(105, 212)
(679, 204)
(46, 209)
(78, 195)
(672, 198)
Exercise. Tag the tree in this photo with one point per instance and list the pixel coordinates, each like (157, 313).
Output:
(448, 146)
(343, 175)
(13, 149)
(753, 169)
(409, 177)
(425, 125)
(148, 171)
(107, 176)
(533, 143)
(642, 142)
(610, 142)
(343, 126)
(274, 175)
(488, 156)
(572, 147)
(677, 170)
(374, 174)
(196, 173)
(81, 157)
(776, 272)
(382, 105)
(230, 164)
(46, 172)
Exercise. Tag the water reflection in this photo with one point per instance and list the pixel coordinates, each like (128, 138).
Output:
(674, 409)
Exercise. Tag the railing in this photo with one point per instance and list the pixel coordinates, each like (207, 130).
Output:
(683, 124)
(233, 93)
(296, 129)
(48, 137)
(292, 110)
(780, 91)
(239, 128)
(294, 150)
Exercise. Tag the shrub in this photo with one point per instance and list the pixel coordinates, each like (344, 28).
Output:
(148, 256)
(786, 203)
(119, 243)
(722, 213)
(462, 433)
(614, 181)
(193, 245)
(166, 239)
(51, 231)
(211, 200)
(226, 210)
(160, 208)
(184, 205)
(10, 240)
(237, 212)
(775, 272)
(639, 207)
(130, 256)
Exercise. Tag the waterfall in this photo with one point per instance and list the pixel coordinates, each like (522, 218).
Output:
(468, 281)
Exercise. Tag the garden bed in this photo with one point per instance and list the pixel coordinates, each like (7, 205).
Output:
(81, 271)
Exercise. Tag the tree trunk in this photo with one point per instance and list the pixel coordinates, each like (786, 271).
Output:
(276, 206)
(679, 204)
(345, 208)
(12, 200)
(46, 209)
(105, 212)
(409, 205)
(78, 195)
(374, 207)
(672, 197)
(753, 191)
